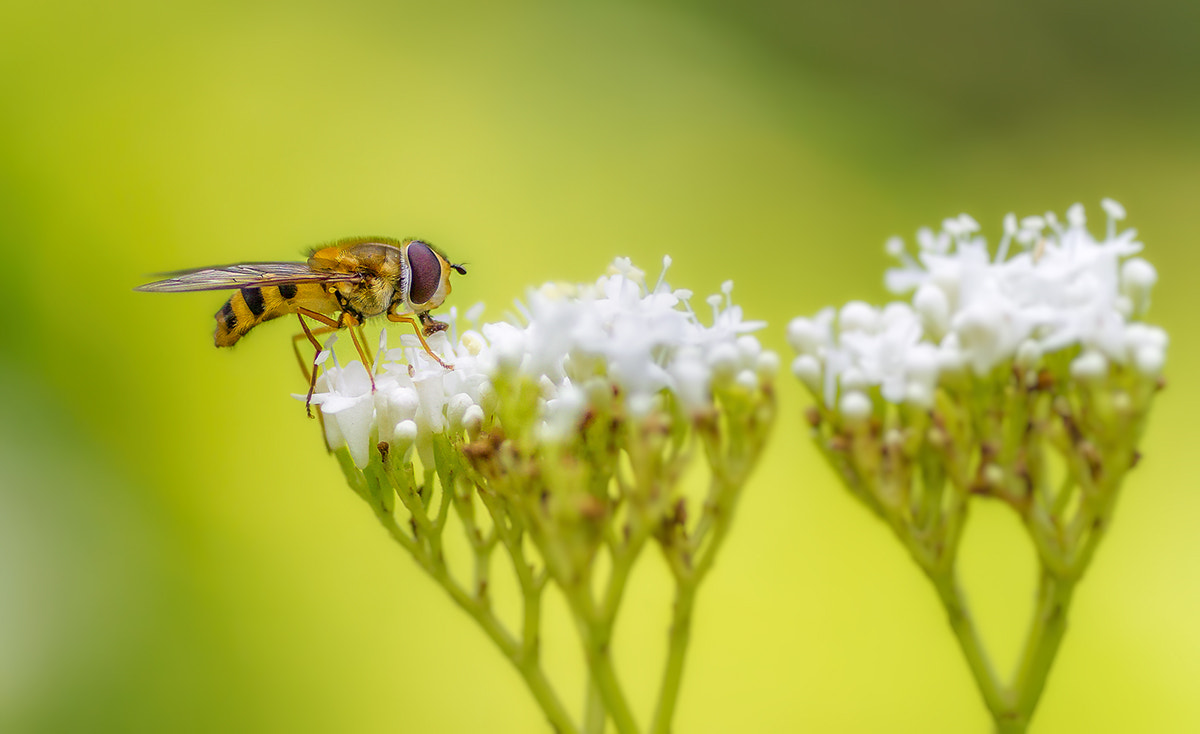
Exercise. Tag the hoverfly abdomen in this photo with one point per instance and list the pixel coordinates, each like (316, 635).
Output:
(252, 305)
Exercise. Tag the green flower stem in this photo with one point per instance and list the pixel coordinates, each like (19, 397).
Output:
(425, 546)
(594, 715)
(689, 566)
(529, 668)
(1062, 499)
(623, 559)
(596, 638)
(1046, 540)
(1045, 635)
(681, 633)
(958, 612)
(594, 625)
(1011, 726)
(1012, 707)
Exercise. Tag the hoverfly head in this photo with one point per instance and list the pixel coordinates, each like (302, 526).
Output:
(429, 275)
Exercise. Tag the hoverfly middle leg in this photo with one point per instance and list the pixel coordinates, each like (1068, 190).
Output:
(311, 374)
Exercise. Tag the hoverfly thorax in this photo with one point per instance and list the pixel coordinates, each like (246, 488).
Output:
(425, 279)
(376, 268)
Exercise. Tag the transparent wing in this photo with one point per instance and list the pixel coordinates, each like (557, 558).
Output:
(241, 275)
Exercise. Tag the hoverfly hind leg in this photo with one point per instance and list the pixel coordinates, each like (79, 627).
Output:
(310, 374)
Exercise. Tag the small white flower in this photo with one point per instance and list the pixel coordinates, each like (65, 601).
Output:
(988, 332)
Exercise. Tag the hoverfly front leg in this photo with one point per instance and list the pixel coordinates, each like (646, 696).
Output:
(421, 329)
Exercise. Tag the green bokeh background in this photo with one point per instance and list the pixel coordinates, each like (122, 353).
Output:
(178, 553)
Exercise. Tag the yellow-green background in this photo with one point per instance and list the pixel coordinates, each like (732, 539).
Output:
(177, 552)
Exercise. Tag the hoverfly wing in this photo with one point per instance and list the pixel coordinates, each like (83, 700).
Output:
(241, 275)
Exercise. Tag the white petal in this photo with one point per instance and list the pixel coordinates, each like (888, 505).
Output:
(355, 422)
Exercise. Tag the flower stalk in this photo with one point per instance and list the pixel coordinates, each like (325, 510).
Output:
(560, 441)
(1022, 378)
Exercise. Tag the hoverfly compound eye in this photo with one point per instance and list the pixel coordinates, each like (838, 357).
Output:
(426, 272)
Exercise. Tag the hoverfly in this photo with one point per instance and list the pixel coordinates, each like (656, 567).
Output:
(355, 278)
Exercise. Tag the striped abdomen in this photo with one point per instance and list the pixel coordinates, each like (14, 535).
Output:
(249, 307)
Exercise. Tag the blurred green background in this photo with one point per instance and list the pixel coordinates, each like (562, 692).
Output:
(178, 553)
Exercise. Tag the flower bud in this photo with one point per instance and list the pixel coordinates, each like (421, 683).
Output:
(807, 369)
(1137, 279)
(854, 406)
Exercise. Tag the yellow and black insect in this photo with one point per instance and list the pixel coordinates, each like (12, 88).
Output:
(355, 278)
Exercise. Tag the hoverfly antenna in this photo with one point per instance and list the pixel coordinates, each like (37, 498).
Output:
(459, 268)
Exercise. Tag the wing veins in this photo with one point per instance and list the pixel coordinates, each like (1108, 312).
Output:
(242, 275)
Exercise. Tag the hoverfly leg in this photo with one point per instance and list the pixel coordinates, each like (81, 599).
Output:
(311, 375)
(417, 327)
(355, 325)
(362, 338)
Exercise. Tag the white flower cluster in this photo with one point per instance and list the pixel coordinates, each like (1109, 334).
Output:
(576, 343)
(970, 309)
